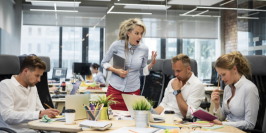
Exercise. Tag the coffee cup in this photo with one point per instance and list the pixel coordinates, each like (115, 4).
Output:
(169, 117)
(70, 116)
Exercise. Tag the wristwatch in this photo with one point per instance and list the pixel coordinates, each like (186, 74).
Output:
(176, 92)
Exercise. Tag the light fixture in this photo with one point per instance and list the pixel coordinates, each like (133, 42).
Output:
(201, 13)
(225, 8)
(129, 13)
(227, 2)
(189, 11)
(247, 17)
(110, 9)
(109, 12)
(52, 1)
(42, 10)
(125, 4)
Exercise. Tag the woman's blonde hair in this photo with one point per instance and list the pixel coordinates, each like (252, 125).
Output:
(228, 61)
(129, 25)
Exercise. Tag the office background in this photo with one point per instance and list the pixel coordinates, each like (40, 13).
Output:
(82, 31)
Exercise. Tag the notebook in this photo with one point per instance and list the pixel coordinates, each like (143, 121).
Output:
(95, 124)
(119, 62)
(203, 115)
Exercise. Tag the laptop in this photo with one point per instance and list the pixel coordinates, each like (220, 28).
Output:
(76, 102)
(119, 62)
(128, 101)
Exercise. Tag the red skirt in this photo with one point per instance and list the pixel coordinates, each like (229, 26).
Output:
(118, 97)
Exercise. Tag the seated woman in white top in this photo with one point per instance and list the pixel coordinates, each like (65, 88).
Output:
(240, 99)
(99, 77)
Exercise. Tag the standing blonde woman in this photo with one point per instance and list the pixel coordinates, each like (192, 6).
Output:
(241, 99)
(130, 48)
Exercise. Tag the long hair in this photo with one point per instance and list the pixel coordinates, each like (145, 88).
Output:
(228, 61)
(129, 25)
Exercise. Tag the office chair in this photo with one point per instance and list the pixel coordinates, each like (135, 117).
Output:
(152, 83)
(258, 63)
(9, 66)
(42, 87)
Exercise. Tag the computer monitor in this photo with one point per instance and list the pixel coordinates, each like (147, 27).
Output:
(59, 73)
(82, 68)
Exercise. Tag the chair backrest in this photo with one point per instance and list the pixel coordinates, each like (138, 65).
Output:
(42, 87)
(167, 67)
(152, 84)
(258, 63)
(9, 66)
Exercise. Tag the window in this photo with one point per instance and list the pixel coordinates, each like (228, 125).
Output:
(30, 31)
(39, 48)
(94, 45)
(154, 44)
(29, 47)
(39, 31)
(47, 44)
(71, 47)
(171, 48)
(204, 52)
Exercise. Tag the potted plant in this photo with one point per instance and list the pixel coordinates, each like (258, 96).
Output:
(142, 110)
(107, 101)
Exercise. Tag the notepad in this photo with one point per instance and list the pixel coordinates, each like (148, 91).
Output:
(202, 114)
(165, 126)
(213, 127)
(202, 124)
(95, 124)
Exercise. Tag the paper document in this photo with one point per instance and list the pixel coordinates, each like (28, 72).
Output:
(89, 123)
(136, 130)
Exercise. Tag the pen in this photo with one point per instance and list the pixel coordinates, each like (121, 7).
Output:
(47, 106)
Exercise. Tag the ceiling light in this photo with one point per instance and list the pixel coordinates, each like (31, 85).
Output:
(247, 17)
(54, 6)
(110, 9)
(53, 10)
(129, 13)
(137, 4)
(52, 1)
(201, 13)
(227, 2)
(224, 8)
(189, 11)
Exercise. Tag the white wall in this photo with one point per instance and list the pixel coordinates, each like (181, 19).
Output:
(10, 23)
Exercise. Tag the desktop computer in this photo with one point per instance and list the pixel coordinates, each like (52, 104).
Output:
(59, 73)
(82, 69)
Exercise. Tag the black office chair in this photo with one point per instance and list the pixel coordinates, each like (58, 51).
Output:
(42, 87)
(258, 63)
(152, 83)
(9, 65)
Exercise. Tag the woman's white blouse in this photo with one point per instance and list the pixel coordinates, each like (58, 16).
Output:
(243, 107)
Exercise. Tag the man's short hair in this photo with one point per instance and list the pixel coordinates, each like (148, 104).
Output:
(31, 62)
(184, 58)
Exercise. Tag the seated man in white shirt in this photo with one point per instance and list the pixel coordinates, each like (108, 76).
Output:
(19, 99)
(183, 92)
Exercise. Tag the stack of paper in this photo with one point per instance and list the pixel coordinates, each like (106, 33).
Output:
(202, 124)
(136, 130)
(95, 124)
(165, 126)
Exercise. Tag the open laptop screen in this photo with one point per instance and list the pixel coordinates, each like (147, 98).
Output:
(75, 88)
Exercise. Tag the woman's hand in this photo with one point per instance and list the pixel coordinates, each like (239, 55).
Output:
(122, 73)
(215, 96)
(153, 57)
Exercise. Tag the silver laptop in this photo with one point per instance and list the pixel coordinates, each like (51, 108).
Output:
(76, 102)
(129, 99)
(119, 62)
